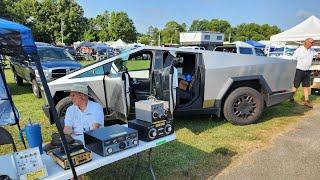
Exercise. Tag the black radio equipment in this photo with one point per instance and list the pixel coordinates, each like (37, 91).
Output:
(151, 131)
(109, 140)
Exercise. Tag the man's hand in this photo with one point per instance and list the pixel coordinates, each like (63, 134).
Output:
(318, 56)
(95, 125)
(67, 130)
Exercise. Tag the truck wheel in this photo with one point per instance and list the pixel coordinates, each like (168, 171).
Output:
(243, 106)
(63, 105)
(17, 79)
(36, 89)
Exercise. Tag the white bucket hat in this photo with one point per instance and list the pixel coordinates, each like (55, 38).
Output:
(79, 88)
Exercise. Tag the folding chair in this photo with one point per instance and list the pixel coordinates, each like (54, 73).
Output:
(6, 138)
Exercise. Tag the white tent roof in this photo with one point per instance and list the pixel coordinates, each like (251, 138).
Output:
(310, 28)
(119, 44)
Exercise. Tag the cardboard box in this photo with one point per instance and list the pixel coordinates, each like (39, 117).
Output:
(183, 85)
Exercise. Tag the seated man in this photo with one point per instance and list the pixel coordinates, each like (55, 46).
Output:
(84, 114)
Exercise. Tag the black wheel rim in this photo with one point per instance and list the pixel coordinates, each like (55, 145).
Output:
(244, 107)
(64, 110)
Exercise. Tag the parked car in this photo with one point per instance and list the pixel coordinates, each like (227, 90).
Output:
(235, 86)
(240, 48)
(56, 62)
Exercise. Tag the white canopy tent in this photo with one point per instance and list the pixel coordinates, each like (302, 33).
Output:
(119, 44)
(310, 28)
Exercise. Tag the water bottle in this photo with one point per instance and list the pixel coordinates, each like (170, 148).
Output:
(33, 135)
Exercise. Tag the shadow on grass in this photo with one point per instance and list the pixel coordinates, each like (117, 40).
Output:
(285, 109)
(174, 160)
(20, 90)
(198, 124)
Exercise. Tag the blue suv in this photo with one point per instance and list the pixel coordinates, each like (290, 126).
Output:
(56, 62)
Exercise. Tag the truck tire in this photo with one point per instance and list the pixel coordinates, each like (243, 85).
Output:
(35, 88)
(62, 106)
(243, 106)
(17, 79)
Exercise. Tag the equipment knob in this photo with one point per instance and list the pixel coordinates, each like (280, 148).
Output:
(155, 115)
(168, 128)
(109, 150)
(122, 145)
(152, 133)
(134, 142)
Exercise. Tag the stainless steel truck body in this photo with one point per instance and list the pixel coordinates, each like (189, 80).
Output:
(236, 86)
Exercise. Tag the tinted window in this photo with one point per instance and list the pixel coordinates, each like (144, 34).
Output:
(219, 38)
(53, 54)
(206, 37)
(259, 52)
(226, 49)
(98, 71)
(244, 50)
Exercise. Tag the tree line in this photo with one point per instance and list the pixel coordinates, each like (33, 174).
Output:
(48, 18)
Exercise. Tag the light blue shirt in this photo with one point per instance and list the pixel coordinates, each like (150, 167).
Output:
(82, 121)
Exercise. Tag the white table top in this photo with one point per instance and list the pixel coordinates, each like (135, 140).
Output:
(56, 172)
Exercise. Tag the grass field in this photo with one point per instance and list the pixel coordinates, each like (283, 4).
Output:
(204, 146)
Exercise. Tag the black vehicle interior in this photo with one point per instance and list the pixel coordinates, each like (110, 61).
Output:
(185, 64)
(140, 86)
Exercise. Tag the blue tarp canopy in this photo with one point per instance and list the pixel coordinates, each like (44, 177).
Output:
(255, 44)
(100, 46)
(15, 40)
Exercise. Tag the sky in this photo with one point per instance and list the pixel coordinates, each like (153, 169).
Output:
(144, 13)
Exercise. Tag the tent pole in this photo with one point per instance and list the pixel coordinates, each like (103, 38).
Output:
(54, 114)
(12, 106)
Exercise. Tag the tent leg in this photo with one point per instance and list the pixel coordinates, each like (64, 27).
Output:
(22, 138)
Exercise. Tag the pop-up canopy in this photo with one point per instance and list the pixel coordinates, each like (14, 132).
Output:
(15, 40)
(310, 28)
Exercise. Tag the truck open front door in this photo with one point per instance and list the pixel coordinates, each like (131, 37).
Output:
(162, 81)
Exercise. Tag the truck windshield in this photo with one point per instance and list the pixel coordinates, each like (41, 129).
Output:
(53, 54)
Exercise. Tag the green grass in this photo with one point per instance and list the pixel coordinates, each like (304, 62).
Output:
(204, 145)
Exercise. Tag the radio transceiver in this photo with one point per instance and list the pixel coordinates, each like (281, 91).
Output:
(78, 155)
(152, 110)
(109, 140)
(151, 131)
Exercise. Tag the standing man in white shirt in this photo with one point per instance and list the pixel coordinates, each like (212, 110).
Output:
(84, 114)
(304, 55)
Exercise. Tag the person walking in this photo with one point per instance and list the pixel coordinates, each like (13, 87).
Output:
(304, 55)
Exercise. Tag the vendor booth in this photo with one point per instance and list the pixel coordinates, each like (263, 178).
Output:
(17, 40)
(70, 155)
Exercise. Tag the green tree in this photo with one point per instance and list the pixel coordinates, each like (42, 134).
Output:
(6, 9)
(71, 15)
(219, 25)
(122, 27)
(144, 39)
(200, 25)
(154, 33)
(102, 26)
(46, 22)
(171, 32)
